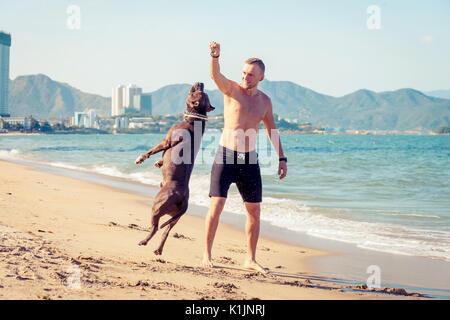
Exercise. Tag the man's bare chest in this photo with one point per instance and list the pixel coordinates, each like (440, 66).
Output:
(247, 108)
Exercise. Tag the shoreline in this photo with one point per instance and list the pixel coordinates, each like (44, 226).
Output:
(310, 261)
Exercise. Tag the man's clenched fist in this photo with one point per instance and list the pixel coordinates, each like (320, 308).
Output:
(215, 49)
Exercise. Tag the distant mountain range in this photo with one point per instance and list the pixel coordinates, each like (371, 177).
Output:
(44, 98)
(403, 109)
(445, 94)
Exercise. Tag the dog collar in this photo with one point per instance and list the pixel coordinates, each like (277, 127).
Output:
(196, 115)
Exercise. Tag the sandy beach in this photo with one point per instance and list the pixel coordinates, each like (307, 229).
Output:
(64, 238)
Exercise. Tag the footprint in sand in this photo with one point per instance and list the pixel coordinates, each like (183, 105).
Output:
(228, 287)
(180, 236)
(90, 259)
(160, 260)
(226, 260)
(252, 275)
(133, 226)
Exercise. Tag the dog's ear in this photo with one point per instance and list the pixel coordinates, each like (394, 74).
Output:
(198, 86)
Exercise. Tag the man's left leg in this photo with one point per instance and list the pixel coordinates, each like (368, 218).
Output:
(252, 232)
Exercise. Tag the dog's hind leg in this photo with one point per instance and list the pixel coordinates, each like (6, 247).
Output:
(164, 237)
(146, 240)
(182, 205)
(153, 230)
(164, 204)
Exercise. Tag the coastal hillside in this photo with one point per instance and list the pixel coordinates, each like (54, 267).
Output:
(404, 109)
(44, 98)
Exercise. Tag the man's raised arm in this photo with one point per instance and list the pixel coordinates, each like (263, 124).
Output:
(225, 86)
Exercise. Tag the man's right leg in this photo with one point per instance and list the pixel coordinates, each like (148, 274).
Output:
(211, 223)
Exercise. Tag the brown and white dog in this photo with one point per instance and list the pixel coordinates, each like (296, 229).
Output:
(180, 147)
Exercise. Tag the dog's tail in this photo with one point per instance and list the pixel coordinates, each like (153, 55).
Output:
(171, 220)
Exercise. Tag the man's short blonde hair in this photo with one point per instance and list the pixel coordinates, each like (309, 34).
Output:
(258, 62)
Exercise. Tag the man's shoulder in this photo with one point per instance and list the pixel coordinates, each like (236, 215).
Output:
(234, 89)
(264, 96)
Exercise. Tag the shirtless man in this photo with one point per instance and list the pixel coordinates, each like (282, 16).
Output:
(236, 159)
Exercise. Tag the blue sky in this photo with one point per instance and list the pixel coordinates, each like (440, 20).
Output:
(322, 45)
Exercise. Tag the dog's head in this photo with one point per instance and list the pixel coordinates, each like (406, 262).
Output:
(198, 100)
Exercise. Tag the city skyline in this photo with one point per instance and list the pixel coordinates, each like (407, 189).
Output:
(331, 48)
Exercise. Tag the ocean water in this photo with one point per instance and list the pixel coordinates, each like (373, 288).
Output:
(384, 193)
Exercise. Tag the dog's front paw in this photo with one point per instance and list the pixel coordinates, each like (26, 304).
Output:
(141, 159)
(158, 252)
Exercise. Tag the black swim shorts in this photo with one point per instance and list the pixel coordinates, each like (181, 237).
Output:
(241, 168)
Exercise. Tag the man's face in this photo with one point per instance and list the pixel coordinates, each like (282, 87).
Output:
(251, 76)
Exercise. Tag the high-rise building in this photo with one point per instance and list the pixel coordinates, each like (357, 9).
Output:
(128, 97)
(143, 104)
(122, 100)
(5, 43)
(117, 100)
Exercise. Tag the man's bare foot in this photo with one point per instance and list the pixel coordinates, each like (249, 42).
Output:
(255, 266)
(206, 262)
